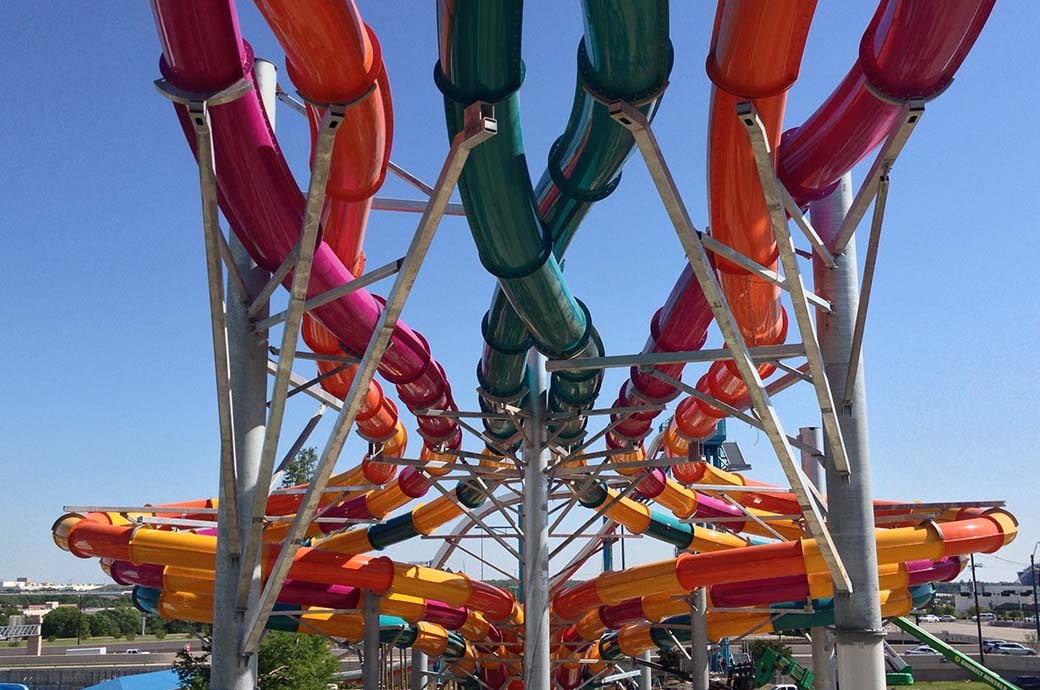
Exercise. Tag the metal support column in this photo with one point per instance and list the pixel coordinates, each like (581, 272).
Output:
(420, 667)
(699, 639)
(857, 614)
(536, 531)
(230, 669)
(1036, 597)
(370, 667)
(822, 647)
(247, 352)
(824, 676)
(646, 680)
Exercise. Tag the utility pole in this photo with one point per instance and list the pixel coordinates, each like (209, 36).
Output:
(978, 611)
(1036, 603)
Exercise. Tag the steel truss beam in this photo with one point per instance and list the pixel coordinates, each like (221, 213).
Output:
(636, 123)
(216, 251)
(748, 116)
(306, 246)
(373, 276)
(479, 126)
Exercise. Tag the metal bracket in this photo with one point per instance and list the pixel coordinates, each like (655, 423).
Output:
(910, 115)
(720, 249)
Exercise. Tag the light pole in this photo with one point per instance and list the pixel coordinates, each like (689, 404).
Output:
(978, 611)
(1036, 606)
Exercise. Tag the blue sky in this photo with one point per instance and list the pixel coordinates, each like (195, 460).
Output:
(109, 387)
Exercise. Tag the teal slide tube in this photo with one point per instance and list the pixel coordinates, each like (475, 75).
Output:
(522, 234)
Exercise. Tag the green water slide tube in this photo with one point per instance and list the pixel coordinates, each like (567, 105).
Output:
(521, 232)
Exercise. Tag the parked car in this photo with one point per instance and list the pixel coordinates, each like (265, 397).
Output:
(922, 650)
(134, 650)
(947, 619)
(927, 618)
(1027, 682)
(1013, 648)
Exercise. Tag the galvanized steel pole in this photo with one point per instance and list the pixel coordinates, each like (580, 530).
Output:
(857, 614)
(646, 678)
(420, 667)
(370, 668)
(822, 649)
(231, 670)
(536, 531)
(1036, 600)
(699, 639)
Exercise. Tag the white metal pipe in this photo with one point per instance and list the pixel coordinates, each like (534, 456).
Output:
(536, 532)
(699, 639)
(645, 672)
(370, 667)
(822, 647)
(237, 583)
(857, 615)
(420, 667)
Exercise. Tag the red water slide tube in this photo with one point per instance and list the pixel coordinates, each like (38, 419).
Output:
(204, 52)
(912, 48)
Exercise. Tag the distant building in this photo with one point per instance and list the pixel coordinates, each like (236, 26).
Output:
(1000, 598)
(24, 585)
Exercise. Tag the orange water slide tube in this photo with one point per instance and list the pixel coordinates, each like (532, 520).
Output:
(92, 536)
(895, 514)
(333, 57)
(932, 541)
(756, 50)
(684, 503)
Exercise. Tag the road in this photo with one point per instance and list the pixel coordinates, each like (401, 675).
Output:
(114, 648)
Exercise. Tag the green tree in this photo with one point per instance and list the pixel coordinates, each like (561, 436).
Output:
(6, 612)
(285, 661)
(295, 662)
(65, 621)
(300, 468)
(101, 625)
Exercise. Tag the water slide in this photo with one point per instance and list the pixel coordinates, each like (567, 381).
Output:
(633, 639)
(895, 64)
(203, 52)
(522, 231)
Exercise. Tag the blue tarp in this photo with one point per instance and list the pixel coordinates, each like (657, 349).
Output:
(157, 680)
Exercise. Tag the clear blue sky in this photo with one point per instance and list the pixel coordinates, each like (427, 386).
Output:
(109, 386)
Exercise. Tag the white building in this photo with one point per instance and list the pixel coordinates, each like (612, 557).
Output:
(998, 598)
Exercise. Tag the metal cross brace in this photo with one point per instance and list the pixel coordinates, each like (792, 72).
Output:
(748, 116)
(479, 126)
(198, 113)
(322, 159)
(636, 123)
